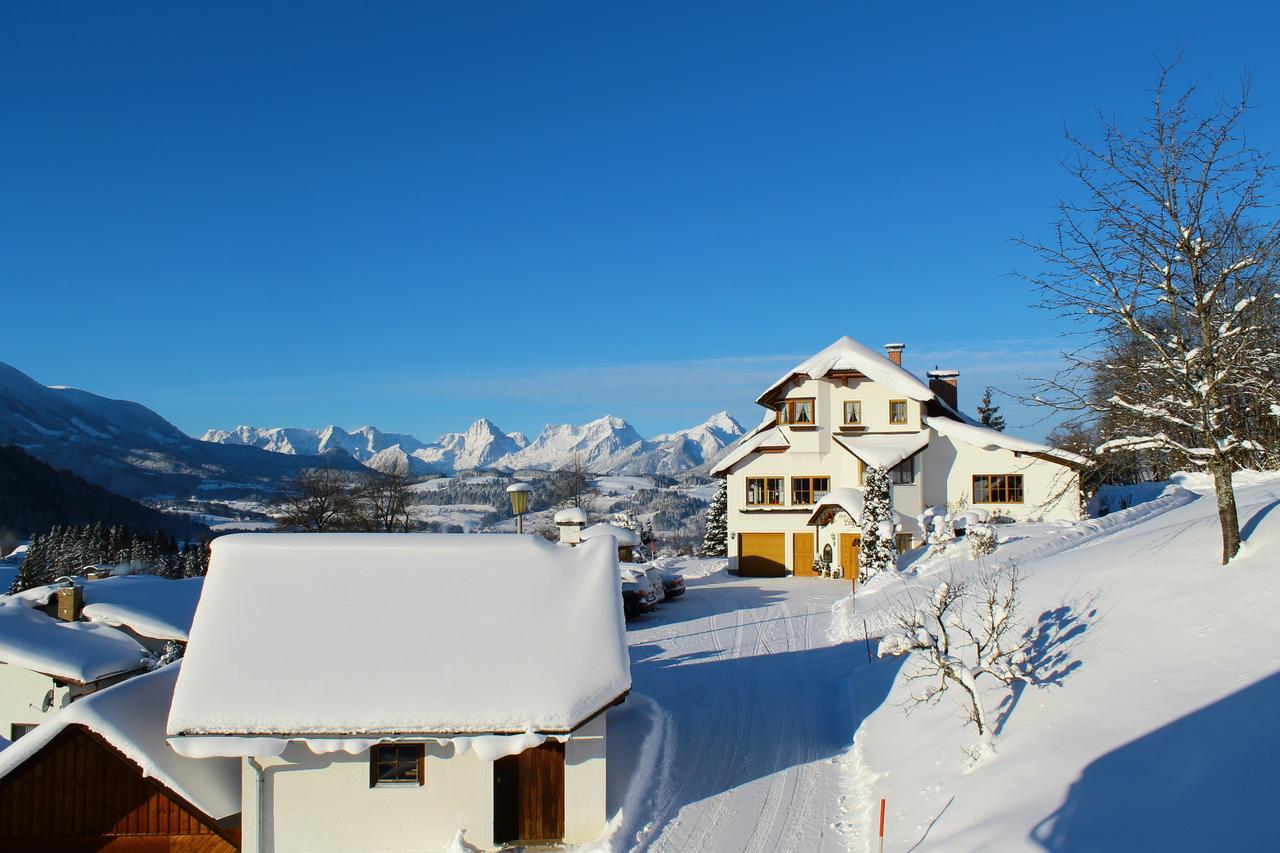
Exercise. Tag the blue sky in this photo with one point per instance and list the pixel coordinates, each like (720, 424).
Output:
(413, 215)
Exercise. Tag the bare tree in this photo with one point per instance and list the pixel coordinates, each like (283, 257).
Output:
(383, 499)
(316, 501)
(968, 629)
(570, 485)
(1167, 265)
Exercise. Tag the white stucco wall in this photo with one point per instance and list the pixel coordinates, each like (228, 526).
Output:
(22, 694)
(319, 803)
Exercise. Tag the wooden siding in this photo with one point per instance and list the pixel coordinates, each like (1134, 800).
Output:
(80, 793)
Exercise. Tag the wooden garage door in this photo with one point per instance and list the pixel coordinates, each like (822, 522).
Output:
(762, 555)
(802, 555)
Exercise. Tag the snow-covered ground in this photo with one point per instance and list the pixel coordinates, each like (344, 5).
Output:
(1155, 731)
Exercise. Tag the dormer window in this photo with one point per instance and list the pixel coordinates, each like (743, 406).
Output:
(897, 412)
(798, 412)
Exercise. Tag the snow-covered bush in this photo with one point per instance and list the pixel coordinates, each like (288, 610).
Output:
(981, 539)
(967, 629)
(877, 551)
(939, 532)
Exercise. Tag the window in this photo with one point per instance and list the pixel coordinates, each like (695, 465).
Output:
(997, 488)
(797, 412)
(809, 490)
(764, 491)
(395, 764)
(903, 542)
(904, 473)
(17, 730)
(853, 411)
(897, 411)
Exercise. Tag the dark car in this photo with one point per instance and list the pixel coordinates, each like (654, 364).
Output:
(638, 595)
(672, 584)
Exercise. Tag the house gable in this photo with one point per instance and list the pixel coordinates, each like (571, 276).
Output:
(80, 792)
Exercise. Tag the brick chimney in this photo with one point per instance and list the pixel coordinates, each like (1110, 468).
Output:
(946, 384)
(895, 352)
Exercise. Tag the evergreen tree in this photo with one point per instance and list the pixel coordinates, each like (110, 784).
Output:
(715, 541)
(877, 550)
(989, 413)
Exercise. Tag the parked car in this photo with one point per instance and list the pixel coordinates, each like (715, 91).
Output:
(638, 593)
(655, 580)
(672, 584)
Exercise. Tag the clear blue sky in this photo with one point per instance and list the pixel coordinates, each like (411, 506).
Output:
(416, 214)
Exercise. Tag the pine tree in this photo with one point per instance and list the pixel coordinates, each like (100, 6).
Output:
(715, 541)
(877, 547)
(989, 413)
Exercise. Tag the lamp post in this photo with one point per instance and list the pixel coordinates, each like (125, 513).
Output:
(519, 502)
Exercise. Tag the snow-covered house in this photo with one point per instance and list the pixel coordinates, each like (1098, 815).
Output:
(99, 775)
(626, 539)
(46, 662)
(388, 690)
(795, 482)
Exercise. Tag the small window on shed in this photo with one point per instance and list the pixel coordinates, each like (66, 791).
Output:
(395, 764)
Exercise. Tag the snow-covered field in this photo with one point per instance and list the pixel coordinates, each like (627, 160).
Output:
(1155, 731)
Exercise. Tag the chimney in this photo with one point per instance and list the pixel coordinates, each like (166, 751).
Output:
(571, 521)
(70, 601)
(945, 383)
(895, 352)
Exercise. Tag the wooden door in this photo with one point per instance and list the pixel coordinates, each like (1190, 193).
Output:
(528, 795)
(802, 555)
(850, 545)
(762, 555)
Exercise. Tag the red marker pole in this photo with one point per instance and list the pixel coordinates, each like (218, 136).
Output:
(882, 826)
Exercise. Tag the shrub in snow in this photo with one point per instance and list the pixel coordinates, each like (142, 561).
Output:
(877, 551)
(967, 629)
(938, 528)
(981, 539)
(715, 540)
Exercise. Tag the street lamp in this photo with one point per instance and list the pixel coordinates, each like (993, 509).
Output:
(519, 502)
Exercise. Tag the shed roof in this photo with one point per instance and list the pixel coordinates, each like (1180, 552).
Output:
(152, 606)
(73, 651)
(383, 634)
(622, 535)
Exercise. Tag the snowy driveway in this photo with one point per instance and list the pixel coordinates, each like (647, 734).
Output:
(762, 713)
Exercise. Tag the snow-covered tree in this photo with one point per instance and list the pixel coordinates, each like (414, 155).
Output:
(989, 412)
(1167, 264)
(966, 630)
(877, 551)
(715, 542)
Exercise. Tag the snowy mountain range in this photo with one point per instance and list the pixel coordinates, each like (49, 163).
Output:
(606, 445)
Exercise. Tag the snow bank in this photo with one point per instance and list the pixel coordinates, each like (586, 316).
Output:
(848, 354)
(131, 717)
(74, 651)
(371, 634)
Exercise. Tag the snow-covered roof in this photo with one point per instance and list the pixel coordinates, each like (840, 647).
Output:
(302, 634)
(847, 499)
(764, 439)
(572, 515)
(520, 487)
(982, 436)
(623, 536)
(131, 717)
(884, 450)
(848, 354)
(149, 605)
(73, 651)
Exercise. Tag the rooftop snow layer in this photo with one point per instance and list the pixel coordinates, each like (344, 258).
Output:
(572, 515)
(623, 536)
(848, 354)
(847, 499)
(981, 436)
(764, 439)
(131, 717)
(884, 450)
(353, 633)
(74, 651)
(149, 605)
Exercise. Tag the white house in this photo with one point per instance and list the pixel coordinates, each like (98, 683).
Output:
(388, 690)
(795, 482)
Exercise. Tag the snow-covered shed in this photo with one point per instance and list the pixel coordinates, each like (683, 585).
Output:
(626, 539)
(47, 663)
(131, 789)
(387, 690)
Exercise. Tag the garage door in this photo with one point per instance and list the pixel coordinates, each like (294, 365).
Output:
(762, 555)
